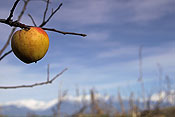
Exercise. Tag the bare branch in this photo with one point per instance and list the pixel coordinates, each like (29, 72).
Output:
(35, 84)
(12, 10)
(7, 53)
(44, 22)
(23, 10)
(32, 20)
(50, 81)
(7, 42)
(45, 12)
(62, 32)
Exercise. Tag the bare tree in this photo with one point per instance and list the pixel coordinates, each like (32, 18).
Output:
(16, 23)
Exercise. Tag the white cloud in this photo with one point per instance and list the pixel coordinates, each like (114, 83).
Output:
(32, 104)
(165, 96)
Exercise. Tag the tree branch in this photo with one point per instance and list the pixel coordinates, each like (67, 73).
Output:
(7, 53)
(64, 33)
(12, 10)
(45, 12)
(33, 21)
(35, 84)
(44, 22)
(18, 24)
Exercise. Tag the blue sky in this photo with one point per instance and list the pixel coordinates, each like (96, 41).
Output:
(106, 59)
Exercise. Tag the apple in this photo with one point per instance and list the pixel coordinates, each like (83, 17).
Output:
(30, 45)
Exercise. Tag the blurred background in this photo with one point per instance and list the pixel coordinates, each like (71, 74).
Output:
(129, 52)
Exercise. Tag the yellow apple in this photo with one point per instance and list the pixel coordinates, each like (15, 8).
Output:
(30, 45)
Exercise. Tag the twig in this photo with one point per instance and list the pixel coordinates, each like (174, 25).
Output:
(62, 32)
(23, 10)
(7, 42)
(7, 53)
(12, 10)
(32, 20)
(44, 22)
(45, 12)
(35, 84)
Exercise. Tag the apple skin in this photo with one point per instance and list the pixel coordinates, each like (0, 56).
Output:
(30, 45)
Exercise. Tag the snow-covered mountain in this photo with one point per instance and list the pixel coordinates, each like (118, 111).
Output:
(31, 104)
(22, 107)
(42, 105)
(70, 104)
(167, 96)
